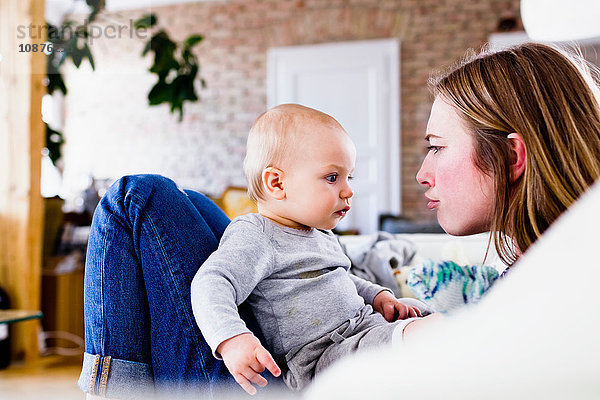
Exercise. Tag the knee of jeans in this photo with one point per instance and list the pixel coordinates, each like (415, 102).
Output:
(138, 188)
(144, 182)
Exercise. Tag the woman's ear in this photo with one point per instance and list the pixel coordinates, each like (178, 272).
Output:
(272, 179)
(519, 161)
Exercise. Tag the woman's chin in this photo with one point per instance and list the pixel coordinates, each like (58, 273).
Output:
(462, 230)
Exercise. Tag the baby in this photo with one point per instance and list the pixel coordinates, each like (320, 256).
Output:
(288, 264)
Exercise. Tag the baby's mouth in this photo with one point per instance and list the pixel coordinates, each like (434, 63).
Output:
(343, 211)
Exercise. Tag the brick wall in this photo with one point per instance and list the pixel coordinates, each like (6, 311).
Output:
(111, 131)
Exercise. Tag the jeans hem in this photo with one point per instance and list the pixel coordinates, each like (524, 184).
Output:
(110, 377)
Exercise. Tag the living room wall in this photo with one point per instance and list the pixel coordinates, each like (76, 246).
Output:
(110, 130)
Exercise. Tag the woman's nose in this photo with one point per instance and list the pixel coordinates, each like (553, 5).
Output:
(424, 176)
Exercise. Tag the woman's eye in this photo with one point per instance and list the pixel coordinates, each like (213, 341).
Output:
(435, 149)
(331, 178)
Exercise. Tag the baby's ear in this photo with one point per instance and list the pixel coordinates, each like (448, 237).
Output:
(273, 183)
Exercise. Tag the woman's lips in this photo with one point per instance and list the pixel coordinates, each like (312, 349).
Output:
(433, 204)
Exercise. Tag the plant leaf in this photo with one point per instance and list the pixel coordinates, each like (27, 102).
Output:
(147, 21)
(97, 6)
(193, 40)
(54, 139)
(55, 81)
(147, 48)
(162, 92)
(76, 56)
(87, 53)
(164, 55)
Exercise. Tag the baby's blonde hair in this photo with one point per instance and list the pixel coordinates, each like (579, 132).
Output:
(271, 138)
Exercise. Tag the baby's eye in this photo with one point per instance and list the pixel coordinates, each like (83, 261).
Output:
(331, 178)
(435, 149)
(350, 177)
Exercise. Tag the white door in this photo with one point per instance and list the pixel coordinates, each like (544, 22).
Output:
(358, 84)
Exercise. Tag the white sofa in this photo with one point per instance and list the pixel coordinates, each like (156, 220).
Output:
(441, 246)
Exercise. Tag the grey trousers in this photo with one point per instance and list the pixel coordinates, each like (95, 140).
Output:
(367, 330)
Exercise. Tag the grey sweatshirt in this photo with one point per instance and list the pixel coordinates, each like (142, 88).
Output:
(296, 282)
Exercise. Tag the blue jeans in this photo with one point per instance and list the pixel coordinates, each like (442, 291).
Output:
(147, 241)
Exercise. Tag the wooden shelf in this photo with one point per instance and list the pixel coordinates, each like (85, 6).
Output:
(12, 316)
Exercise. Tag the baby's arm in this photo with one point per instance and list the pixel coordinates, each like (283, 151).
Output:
(221, 284)
(366, 289)
(245, 359)
(384, 302)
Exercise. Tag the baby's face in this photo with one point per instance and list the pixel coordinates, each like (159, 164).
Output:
(317, 175)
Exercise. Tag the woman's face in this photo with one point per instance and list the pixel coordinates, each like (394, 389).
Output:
(461, 194)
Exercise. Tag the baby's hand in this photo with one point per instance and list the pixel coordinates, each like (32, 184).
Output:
(393, 309)
(246, 358)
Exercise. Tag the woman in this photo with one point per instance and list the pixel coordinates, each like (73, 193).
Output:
(514, 139)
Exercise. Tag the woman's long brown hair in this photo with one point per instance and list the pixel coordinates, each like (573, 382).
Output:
(551, 98)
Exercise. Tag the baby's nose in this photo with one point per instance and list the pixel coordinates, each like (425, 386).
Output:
(347, 192)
